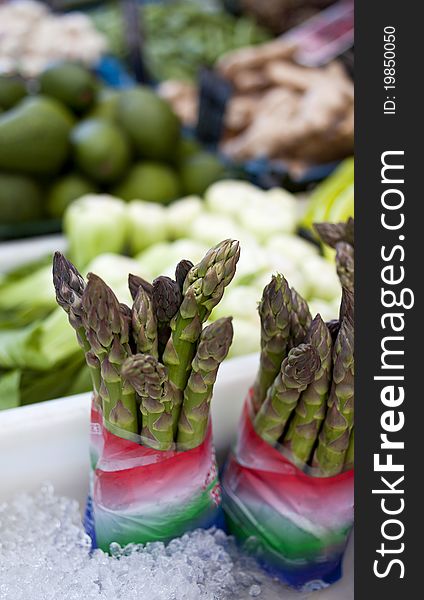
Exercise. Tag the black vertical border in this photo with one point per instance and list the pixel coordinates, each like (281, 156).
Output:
(374, 134)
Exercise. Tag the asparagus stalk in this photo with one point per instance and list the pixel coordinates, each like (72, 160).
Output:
(181, 272)
(144, 325)
(347, 306)
(300, 318)
(126, 315)
(334, 437)
(213, 347)
(69, 286)
(274, 311)
(167, 298)
(345, 264)
(333, 327)
(203, 289)
(350, 453)
(135, 283)
(297, 371)
(149, 379)
(333, 233)
(310, 410)
(107, 328)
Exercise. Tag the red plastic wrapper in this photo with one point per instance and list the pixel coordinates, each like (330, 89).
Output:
(295, 523)
(139, 494)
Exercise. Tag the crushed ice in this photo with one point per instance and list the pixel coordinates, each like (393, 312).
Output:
(45, 555)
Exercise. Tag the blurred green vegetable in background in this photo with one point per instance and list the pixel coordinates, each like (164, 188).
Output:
(180, 36)
(95, 224)
(332, 200)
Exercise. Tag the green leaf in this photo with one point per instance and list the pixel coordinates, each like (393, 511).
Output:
(40, 346)
(20, 348)
(9, 389)
(37, 386)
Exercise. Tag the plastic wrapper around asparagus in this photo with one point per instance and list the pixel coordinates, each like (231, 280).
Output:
(295, 523)
(140, 494)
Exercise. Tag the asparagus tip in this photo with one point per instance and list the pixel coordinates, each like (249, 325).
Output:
(135, 283)
(181, 272)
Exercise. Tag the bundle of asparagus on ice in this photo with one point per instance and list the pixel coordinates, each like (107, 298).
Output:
(304, 390)
(153, 366)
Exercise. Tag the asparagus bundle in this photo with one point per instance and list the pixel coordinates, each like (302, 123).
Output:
(152, 365)
(303, 394)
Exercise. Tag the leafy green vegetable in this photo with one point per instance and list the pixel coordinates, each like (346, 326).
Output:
(41, 346)
(181, 36)
(25, 386)
(25, 296)
(9, 389)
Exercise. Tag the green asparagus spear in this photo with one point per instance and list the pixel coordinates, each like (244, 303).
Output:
(212, 274)
(107, 327)
(135, 283)
(144, 324)
(297, 371)
(203, 289)
(149, 379)
(300, 318)
(213, 347)
(181, 272)
(310, 410)
(274, 311)
(69, 286)
(167, 298)
(334, 437)
(350, 453)
(333, 233)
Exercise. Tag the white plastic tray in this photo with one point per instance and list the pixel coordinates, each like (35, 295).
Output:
(19, 252)
(49, 442)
